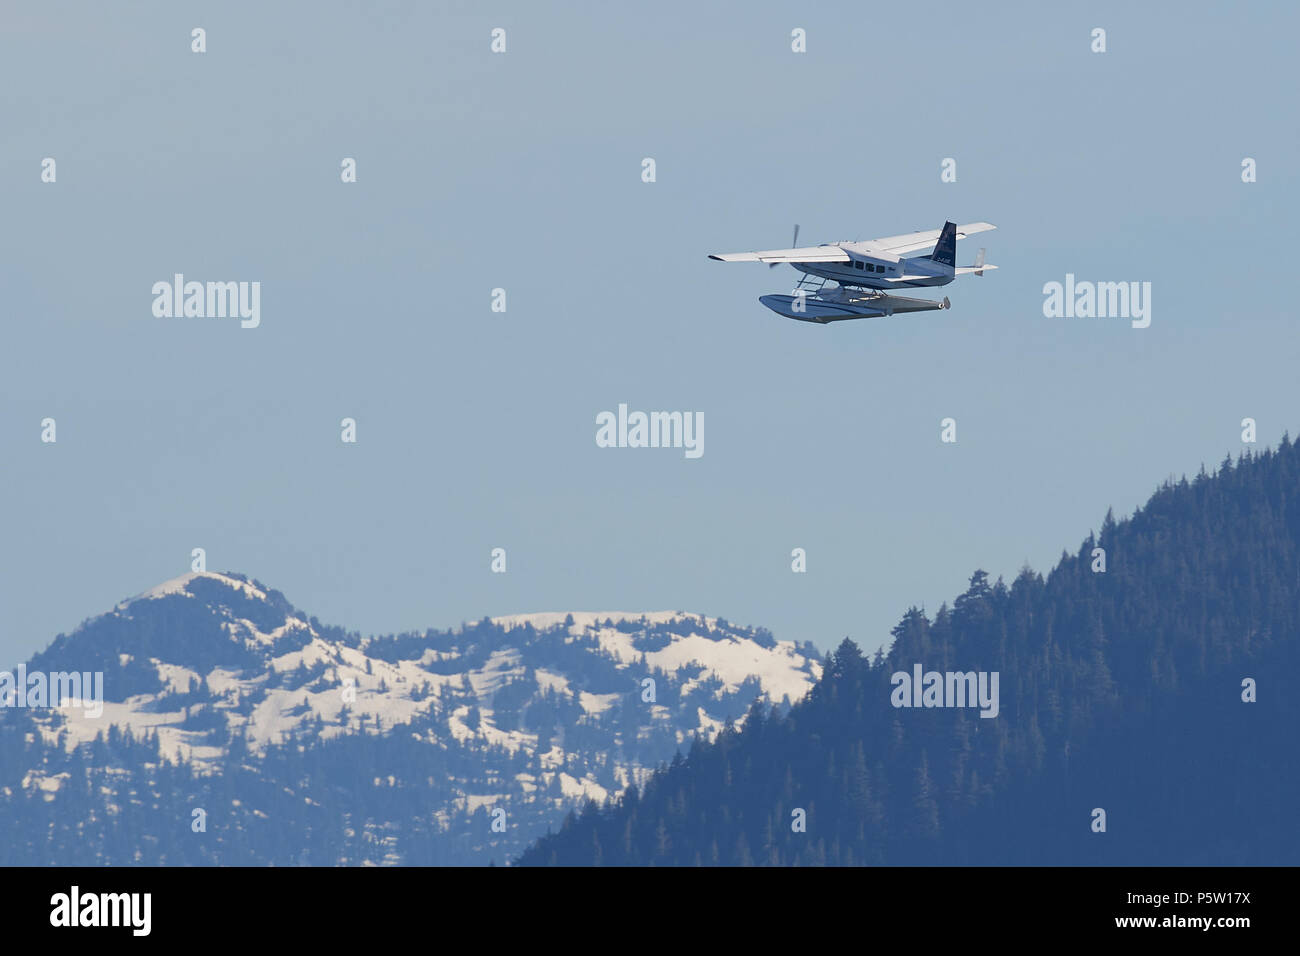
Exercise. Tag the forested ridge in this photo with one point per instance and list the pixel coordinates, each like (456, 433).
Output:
(1120, 690)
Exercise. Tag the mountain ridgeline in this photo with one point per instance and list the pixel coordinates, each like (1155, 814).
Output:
(1147, 715)
(233, 729)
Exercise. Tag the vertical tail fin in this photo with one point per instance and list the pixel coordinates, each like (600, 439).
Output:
(945, 250)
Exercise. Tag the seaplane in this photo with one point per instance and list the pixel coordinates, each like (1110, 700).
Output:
(858, 280)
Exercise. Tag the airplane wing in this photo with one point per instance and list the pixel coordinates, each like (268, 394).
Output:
(806, 254)
(915, 241)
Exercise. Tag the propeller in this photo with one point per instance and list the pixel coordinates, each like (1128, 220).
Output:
(794, 243)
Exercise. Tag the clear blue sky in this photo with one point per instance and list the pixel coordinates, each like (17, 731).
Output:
(522, 171)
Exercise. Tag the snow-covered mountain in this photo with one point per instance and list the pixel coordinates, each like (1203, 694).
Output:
(533, 713)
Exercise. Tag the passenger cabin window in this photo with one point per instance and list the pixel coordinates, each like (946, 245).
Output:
(857, 265)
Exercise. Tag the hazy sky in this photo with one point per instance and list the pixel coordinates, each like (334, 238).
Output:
(523, 171)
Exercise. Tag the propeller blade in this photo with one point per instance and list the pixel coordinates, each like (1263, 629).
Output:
(794, 244)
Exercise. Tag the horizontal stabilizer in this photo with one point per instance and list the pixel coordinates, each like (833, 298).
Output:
(978, 270)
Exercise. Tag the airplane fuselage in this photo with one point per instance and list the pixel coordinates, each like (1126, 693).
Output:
(870, 270)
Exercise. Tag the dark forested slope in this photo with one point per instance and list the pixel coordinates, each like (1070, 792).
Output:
(1120, 690)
